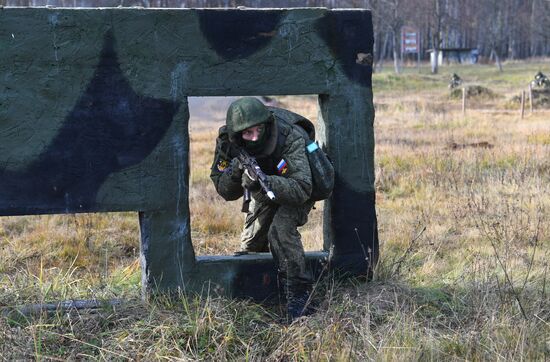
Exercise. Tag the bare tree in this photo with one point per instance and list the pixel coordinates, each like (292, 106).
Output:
(390, 16)
(496, 12)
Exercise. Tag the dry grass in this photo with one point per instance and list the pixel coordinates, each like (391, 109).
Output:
(463, 207)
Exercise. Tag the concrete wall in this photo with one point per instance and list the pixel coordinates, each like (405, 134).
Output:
(94, 117)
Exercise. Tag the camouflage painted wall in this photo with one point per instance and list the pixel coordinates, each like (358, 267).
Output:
(93, 114)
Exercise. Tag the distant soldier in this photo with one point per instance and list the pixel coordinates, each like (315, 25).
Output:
(270, 225)
(541, 81)
(455, 81)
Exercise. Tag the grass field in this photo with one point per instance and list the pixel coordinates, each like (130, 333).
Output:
(463, 203)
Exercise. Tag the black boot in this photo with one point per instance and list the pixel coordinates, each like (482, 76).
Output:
(299, 305)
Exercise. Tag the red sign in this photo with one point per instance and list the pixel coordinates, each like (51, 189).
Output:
(410, 40)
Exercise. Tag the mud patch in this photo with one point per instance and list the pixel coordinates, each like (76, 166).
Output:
(474, 92)
(460, 146)
(541, 98)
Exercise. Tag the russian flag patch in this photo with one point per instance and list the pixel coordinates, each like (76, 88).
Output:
(282, 167)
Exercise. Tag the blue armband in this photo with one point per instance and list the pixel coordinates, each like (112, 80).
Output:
(312, 147)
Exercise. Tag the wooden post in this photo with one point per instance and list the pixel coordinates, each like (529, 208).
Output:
(522, 103)
(464, 101)
(530, 98)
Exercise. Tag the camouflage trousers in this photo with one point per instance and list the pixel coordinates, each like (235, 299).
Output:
(275, 227)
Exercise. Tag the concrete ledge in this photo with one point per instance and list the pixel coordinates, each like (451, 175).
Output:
(253, 276)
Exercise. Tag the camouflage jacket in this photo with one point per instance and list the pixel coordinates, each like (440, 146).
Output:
(287, 167)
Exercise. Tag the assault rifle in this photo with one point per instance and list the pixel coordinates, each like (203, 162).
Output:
(253, 171)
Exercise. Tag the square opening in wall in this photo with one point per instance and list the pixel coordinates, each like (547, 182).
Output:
(216, 224)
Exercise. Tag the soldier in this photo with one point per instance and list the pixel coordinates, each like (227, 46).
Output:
(270, 224)
(541, 80)
(455, 81)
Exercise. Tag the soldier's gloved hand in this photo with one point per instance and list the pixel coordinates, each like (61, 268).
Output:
(249, 182)
(236, 170)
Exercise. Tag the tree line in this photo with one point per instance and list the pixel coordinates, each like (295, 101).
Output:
(499, 29)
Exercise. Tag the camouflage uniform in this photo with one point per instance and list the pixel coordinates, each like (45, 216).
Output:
(272, 225)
